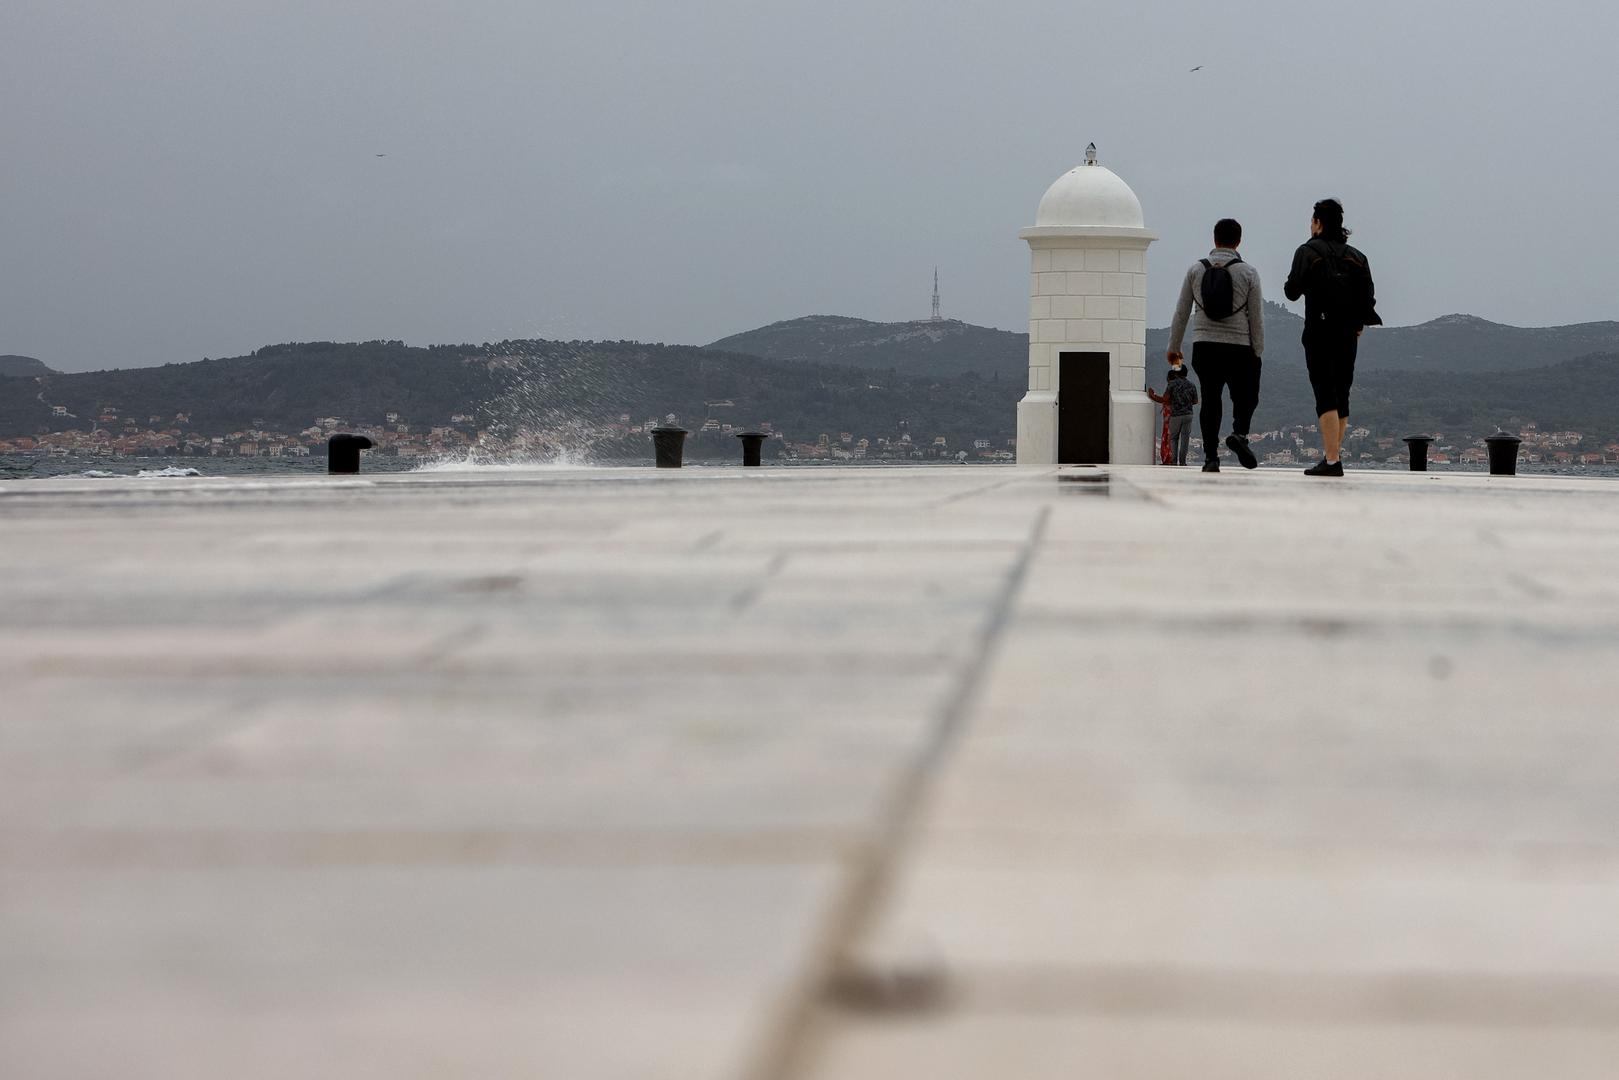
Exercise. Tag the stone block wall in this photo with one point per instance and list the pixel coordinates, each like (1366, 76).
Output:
(1088, 296)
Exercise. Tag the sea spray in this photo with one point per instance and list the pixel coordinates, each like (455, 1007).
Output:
(554, 403)
(144, 474)
(478, 459)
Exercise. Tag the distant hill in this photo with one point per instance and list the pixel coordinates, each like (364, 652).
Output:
(1450, 343)
(1468, 343)
(11, 365)
(1575, 395)
(285, 383)
(1457, 373)
(543, 385)
(951, 347)
(1459, 370)
(947, 347)
(1579, 395)
(929, 379)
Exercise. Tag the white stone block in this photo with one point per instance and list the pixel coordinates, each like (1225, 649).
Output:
(1132, 307)
(1068, 259)
(1140, 285)
(1138, 331)
(1083, 331)
(1037, 428)
(1117, 330)
(1068, 307)
(1131, 355)
(1118, 284)
(1041, 354)
(1102, 307)
(1084, 283)
(1049, 329)
(1102, 259)
(1040, 260)
(1039, 307)
(1050, 284)
(1040, 378)
(1133, 262)
(1136, 421)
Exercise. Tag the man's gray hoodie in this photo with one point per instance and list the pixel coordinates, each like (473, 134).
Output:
(1246, 325)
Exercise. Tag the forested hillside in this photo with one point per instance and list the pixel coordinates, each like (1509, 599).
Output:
(539, 385)
(946, 347)
(949, 347)
(22, 365)
(515, 383)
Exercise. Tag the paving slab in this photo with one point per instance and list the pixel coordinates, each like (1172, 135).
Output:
(1253, 756)
(1058, 1047)
(782, 774)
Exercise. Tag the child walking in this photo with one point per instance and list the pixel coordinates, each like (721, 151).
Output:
(1166, 449)
(1179, 398)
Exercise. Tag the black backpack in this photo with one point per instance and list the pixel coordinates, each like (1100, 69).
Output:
(1218, 292)
(1342, 291)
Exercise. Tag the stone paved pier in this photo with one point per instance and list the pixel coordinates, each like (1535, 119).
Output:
(810, 775)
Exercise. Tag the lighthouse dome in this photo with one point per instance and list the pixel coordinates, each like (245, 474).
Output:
(1089, 196)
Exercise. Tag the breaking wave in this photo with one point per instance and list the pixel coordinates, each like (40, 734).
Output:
(476, 460)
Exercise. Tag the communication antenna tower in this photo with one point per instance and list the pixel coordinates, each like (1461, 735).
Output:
(936, 316)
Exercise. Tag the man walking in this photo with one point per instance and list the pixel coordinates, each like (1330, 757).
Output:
(1339, 303)
(1221, 300)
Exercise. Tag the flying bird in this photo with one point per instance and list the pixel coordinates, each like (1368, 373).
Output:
(381, 155)
(1198, 68)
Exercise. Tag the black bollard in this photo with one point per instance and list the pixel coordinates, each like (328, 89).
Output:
(751, 442)
(343, 453)
(1418, 445)
(1503, 450)
(668, 444)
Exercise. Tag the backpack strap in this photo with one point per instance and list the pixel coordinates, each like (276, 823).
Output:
(1197, 293)
(1327, 249)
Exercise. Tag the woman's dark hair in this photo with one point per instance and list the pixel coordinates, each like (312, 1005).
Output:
(1330, 213)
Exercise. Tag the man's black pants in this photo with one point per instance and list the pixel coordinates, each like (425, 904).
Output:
(1220, 364)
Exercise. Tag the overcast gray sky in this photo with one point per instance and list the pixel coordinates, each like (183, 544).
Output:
(181, 178)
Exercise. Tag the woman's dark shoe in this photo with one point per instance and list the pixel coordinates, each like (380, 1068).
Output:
(1211, 465)
(1238, 444)
(1323, 469)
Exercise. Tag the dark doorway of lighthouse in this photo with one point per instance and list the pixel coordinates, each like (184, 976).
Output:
(1082, 408)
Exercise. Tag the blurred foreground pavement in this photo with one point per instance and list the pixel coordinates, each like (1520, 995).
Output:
(810, 774)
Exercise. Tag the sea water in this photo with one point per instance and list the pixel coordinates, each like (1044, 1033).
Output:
(159, 469)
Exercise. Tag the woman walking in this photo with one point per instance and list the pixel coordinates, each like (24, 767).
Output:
(1340, 302)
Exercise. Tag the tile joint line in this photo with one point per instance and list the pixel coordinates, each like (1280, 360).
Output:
(785, 1054)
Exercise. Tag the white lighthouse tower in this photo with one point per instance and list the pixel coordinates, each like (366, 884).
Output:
(1087, 401)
